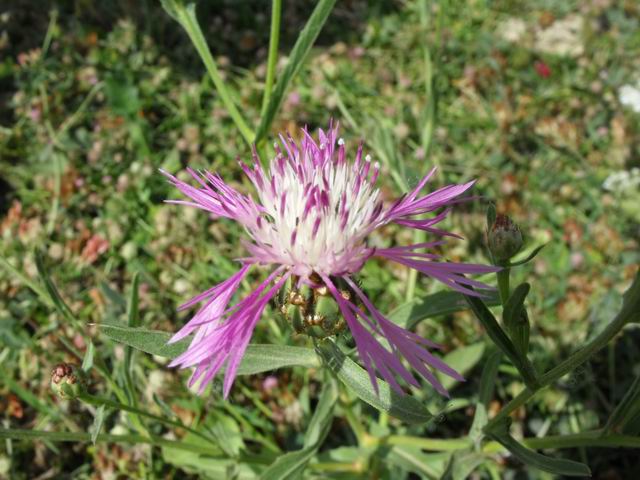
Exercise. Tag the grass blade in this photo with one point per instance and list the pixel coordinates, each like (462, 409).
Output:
(298, 55)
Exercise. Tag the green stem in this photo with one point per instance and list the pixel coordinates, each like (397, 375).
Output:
(630, 312)
(20, 434)
(187, 18)
(431, 444)
(97, 401)
(272, 59)
(592, 438)
(354, 423)
(503, 284)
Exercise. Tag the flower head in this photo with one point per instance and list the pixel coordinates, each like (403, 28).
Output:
(311, 219)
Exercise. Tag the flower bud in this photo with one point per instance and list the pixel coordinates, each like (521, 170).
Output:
(313, 310)
(504, 238)
(65, 381)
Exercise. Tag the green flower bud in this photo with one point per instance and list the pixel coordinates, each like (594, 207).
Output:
(504, 239)
(66, 382)
(313, 311)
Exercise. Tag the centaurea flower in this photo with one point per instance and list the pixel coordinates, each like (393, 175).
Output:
(311, 220)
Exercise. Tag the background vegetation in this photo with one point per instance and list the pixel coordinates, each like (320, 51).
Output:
(96, 96)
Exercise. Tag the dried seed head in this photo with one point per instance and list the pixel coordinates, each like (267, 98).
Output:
(65, 381)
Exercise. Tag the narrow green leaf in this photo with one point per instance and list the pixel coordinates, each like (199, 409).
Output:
(290, 465)
(530, 257)
(489, 375)
(497, 335)
(272, 58)
(132, 321)
(54, 295)
(323, 414)
(626, 410)
(514, 305)
(631, 300)
(170, 6)
(37, 289)
(462, 360)
(516, 319)
(556, 466)
(411, 313)
(257, 359)
(429, 465)
(405, 408)
(185, 15)
(118, 301)
(297, 57)
(87, 361)
(149, 341)
(95, 428)
(462, 465)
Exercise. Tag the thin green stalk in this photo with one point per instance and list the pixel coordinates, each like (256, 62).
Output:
(503, 284)
(431, 444)
(272, 59)
(98, 401)
(354, 423)
(19, 434)
(630, 313)
(593, 438)
(187, 18)
(49, 35)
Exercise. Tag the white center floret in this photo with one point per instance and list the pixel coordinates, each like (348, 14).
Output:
(318, 210)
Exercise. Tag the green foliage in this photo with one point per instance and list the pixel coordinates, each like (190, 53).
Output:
(95, 102)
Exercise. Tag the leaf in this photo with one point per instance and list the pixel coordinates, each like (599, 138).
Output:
(26, 281)
(441, 303)
(462, 465)
(626, 410)
(516, 319)
(323, 414)
(497, 335)
(405, 408)
(54, 295)
(462, 360)
(297, 57)
(488, 378)
(531, 256)
(556, 466)
(132, 321)
(258, 358)
(631, 300)
(290, 465)
(95, 428)
(415, 460)
(87, 361)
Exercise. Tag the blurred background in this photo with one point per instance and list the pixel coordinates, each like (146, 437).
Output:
(539, 100)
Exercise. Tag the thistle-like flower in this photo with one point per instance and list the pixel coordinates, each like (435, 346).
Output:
(311, 221)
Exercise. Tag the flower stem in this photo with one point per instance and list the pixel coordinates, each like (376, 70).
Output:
(90, 399)
(503, 284)
(86, 437)
(630, 312)
(272, 59)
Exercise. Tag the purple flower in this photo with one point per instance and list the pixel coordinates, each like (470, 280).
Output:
(313, 214)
